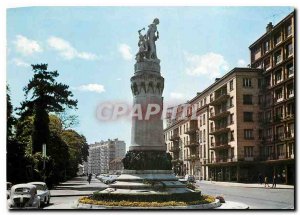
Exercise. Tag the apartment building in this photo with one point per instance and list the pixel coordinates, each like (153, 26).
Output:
(217, 127)
(102, 153)
(243, 124)
(274, 53)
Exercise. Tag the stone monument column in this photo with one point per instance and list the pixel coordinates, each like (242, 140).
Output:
(147, 86)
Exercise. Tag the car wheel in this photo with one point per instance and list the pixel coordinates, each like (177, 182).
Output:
(45, 200)
(48, 202)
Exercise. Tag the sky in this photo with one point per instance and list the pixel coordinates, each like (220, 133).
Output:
(93, 49)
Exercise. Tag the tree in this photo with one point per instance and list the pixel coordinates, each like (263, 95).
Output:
(78, 149)
(47, 96)
(15, 151)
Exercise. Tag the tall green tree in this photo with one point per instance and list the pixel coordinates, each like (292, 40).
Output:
(78, 149)
(44, 95)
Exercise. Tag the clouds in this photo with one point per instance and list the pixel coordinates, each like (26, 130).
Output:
(97, 88)
(67, 51)
(26, 46)
(241, 63)
(175, 95)
(20, 62)
(125, 52)
(210, 64)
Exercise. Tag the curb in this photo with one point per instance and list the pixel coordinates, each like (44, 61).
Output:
(65, 195)
(213, 205)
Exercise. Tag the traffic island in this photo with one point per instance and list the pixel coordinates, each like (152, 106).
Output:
(161, 201)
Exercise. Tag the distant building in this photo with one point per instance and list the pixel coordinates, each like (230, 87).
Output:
(102, 153)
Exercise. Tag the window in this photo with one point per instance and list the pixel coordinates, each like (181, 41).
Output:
(204, 101)
(231, 118)
(204, 151)
(289, 49)
(260, 83)
(247, 99)
(267, 63)
(231, 85)
(277, 57)
(290, 90)
(278, 76)
(232, 136)
(248, 134)
(266, 46)
(268, 80)
(200, 120)
(204, 136)
(247, 82)
(291, 108)
(248, 151)
(289, 30)
(248, 117)
(278, 94)
(280, 151)
(231, 102)
(211, 97)
(203, 119)
(200, 136)
(277, 38)
(290, 69)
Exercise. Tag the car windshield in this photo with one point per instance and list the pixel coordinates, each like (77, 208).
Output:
(22, 190)
(39, 187)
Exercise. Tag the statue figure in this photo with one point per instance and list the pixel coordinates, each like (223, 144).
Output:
(146, 44)
(143, 46)
(151, 38)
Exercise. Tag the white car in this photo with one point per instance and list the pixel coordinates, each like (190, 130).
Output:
(42, 191)
(24, 196)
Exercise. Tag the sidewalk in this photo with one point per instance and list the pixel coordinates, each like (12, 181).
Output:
(77, 187)
(247, 185)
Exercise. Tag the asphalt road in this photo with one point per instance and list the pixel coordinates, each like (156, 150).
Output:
(256, 198)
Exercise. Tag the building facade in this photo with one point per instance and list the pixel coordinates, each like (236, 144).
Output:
(102, 153)
(243, 124)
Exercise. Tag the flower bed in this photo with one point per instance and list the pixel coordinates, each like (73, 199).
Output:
(204, 199)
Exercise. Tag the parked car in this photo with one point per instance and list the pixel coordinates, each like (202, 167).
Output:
(108, 179)
(42, 191)
(188, 179)
(24, 196)
(8, 188)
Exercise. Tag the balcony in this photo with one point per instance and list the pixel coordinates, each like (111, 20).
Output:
(220, 145)
(279, 137)
(221, 114)
(288, 117)
(175, 161)
(219, 99)
(174, 137)
(174, 149)
(289, 136)
(192, 157)
(219, 130)
(191, 144)
(278, 118)
(221, 160)
(191, 130)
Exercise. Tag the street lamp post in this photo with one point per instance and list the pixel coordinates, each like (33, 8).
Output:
(44, 154)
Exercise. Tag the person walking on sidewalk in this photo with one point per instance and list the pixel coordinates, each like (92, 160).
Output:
(260, 178)
(89, 178)
(266, 181)
(274, 181)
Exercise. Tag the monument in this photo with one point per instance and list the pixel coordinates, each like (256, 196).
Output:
(147, 165)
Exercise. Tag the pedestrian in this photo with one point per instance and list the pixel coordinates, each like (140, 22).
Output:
(266, 181)
(89, 178)
(260, 178)
(274, 181)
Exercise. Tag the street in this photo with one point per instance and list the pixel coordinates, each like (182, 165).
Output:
(64, 195)
(254, 197)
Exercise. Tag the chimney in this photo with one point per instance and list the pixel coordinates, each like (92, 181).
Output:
(269, 27)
